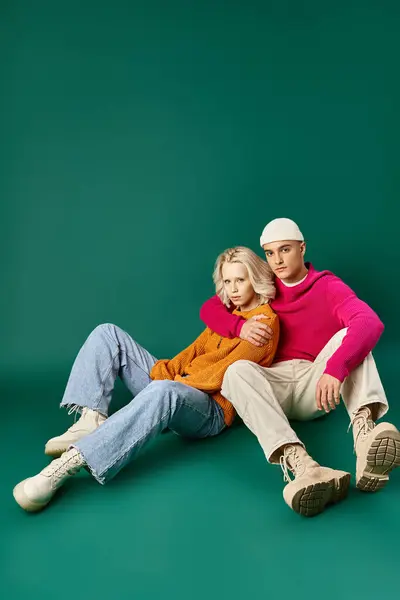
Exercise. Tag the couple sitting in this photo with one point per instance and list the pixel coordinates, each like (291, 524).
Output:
(326, 335)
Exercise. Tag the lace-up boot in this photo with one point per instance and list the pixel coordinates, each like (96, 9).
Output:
(313, 486)
(34, 493)
(87, 423)
(377, 448)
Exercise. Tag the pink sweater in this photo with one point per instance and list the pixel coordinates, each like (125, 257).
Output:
(309, 315)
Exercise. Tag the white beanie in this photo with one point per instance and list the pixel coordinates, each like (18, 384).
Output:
(280, 229)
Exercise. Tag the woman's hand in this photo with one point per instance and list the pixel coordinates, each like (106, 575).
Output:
(256, 333)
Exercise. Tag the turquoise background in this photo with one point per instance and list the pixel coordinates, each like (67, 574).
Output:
(138, 141)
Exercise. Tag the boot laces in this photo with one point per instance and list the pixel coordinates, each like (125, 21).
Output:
(75, 409)
(290, 462)
(77, 415)
(63, 466)
(362, 424)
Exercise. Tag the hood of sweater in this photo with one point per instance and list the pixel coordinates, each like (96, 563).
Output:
(292, 293)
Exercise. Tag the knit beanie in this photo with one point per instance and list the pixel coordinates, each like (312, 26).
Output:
(280, 229)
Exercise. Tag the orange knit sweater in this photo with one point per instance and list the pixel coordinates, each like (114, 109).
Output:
(202, 365)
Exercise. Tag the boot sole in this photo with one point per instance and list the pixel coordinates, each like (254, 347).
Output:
(22, 499)
(383, 456)
(312, 500)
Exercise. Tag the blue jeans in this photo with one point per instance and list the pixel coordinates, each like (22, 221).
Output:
(110, 352)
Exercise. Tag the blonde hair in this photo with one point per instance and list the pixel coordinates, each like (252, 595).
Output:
(260, 273)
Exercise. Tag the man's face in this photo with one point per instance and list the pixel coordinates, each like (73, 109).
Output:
(238, 285)
(285, 258)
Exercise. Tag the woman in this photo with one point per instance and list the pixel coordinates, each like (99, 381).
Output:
(183, 394)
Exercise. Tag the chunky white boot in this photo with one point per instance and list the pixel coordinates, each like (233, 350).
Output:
(87, 423)
(377, 448)
(313, 486)
(35, 493)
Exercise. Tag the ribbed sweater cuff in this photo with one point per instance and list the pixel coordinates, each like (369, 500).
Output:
(337, 370)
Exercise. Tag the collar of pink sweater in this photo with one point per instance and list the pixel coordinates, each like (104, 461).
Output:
(291, 293)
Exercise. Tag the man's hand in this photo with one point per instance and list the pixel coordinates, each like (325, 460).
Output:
(255, 332)
(328, 392)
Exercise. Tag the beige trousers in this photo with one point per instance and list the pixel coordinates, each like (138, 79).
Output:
(266, 398)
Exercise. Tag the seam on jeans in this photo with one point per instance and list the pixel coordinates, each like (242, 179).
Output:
(110, 337)
(195, 409)
(203, 415)
(120, 457)
(101, 394)
(137, 364)
(138, 441)
(115, 341)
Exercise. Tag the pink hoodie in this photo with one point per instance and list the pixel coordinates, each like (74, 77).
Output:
(310, 314)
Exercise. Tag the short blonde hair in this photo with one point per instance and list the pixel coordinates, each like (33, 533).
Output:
(260, 273)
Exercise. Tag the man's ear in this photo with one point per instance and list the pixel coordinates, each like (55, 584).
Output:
(303, 248)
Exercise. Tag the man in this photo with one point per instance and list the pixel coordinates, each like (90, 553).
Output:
(327, 335)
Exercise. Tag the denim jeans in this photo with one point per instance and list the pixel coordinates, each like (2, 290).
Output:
(110, 352)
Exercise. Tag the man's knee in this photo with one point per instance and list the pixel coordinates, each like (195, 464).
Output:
(237, 369)
(339, 335)
(331, 346)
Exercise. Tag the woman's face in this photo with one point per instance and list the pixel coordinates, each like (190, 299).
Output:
(238, 286)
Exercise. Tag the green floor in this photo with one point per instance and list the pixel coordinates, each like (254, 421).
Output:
(191, 520)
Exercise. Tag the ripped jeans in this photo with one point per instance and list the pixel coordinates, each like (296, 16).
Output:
(110, 352)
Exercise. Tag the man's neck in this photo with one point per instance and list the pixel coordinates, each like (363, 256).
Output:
(297, 278)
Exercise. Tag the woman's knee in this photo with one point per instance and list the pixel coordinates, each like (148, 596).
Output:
(163, 385)
(107, 331)
(104, 328)
(164, 388)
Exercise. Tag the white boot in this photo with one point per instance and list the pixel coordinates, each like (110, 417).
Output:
(377, 448)
(313, 486)
(34, 493)
(88, 422)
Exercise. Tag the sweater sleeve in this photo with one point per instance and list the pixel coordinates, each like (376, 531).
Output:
(364, 329)
(210, 379)
(217, 317)
(169, 369)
